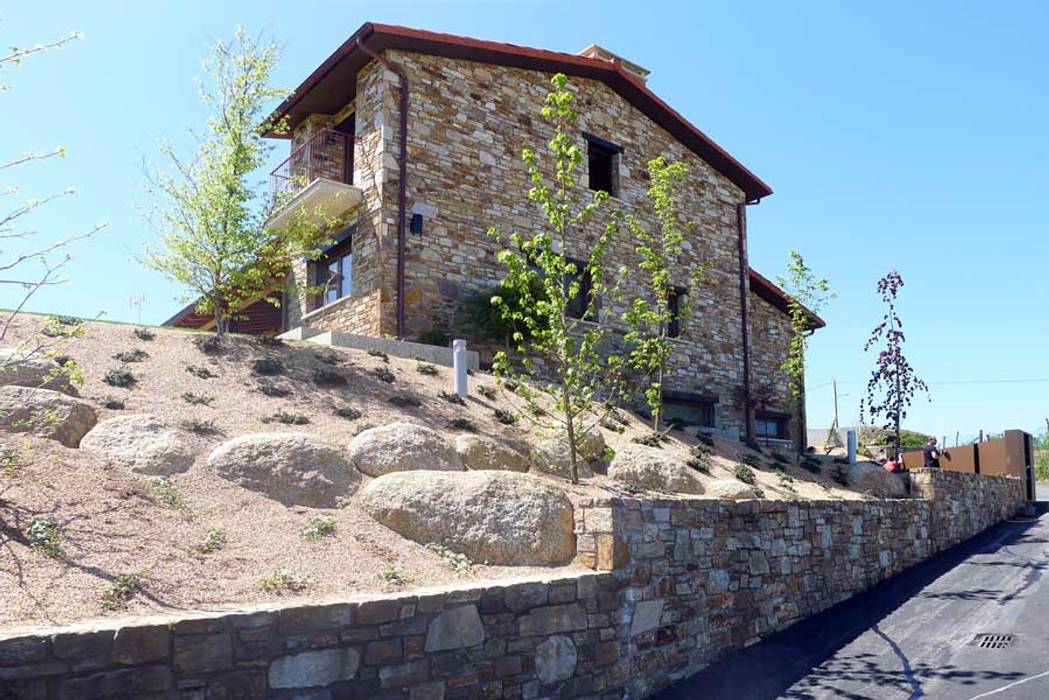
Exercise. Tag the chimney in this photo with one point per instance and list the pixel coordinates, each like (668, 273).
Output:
(601, 53)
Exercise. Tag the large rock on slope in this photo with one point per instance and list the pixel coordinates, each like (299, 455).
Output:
(865, 477)
(729, 489)
(551, 454)
(38, 371)
(141, 443)
(490, 516)
(400, 447)
(293, 468)
(46, 413)
(653, 469)
(478, 452)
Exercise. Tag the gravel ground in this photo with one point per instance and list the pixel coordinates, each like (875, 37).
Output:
(111, 525)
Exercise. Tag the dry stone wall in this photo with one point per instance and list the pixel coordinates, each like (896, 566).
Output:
(680, 582)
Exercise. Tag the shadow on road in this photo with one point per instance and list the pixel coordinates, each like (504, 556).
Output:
(768, 669)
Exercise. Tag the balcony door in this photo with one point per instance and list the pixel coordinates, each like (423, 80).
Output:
(347, 127)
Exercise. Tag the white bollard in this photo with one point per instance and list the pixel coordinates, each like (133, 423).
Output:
(459, 364)
(850, 438)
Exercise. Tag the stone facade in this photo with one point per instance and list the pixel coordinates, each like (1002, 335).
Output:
(770, 333)
(680, 582)
(467, 125)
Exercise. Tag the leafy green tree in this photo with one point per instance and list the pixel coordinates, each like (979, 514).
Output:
(210, 210)
(651, 317)
(32, 260)
(559, 327)
(808, 295)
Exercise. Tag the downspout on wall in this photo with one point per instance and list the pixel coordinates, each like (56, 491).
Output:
(744, 276)
(402, 184)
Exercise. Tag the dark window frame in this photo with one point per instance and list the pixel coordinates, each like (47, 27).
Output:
(780, 421)
(707, 405)
(674, 296)
(605, 154)
(339, 252)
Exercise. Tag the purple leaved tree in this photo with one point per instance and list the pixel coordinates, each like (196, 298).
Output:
(893, 382)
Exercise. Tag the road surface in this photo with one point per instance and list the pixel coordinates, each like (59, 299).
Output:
(912, 636)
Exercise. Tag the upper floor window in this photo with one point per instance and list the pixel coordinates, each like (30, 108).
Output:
(333, 272)
(603, 164)
(675, 299)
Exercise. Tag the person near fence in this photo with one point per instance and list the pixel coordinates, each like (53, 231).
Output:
(931, 453)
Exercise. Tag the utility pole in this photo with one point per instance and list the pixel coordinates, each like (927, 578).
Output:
(834, 382)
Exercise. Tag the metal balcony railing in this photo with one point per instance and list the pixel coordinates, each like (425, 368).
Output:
(328, 154)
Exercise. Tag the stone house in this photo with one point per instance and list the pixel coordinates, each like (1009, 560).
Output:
(412, 139)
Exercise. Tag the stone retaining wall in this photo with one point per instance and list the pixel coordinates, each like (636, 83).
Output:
(680, 583)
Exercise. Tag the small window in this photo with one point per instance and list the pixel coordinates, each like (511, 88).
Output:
(334, 273)
(771, 426)
(603, 164)
(674, 299)
(578, 307)
(688, 409)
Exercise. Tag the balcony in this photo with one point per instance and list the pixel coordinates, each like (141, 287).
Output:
(316, 180)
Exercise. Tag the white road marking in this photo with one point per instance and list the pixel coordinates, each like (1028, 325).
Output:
(1011, 685)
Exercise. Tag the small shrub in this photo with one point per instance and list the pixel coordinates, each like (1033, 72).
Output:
(273, 390)
(451, 397)
(651, 439)
(145, 334)
(404, 400)
(283, 581)
(784, 477)
(758, 493)
(745, 473)
(347, 412)
(213, 541)
(380, 354)
(209, 344)
(487, 392)
(166, 493)
(119, 377)
(286, 418)
(435, 337)
(537, 411)
(323, 376)
(200, 426)
(460, 563)
(384, 375)
(10, 460)
(197, 399)
(268, 366)
(63, 327)
(462, 424)
(200, 371)
(609, 424)
(427, 369)
(318, 527)
(120, 592)
(44, 536)
(504, 417)
(133, 355)
(705, 439)
(699, 459)
(113, 403)
(391, 575)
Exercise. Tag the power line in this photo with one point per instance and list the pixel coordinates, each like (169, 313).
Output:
(1039, 380)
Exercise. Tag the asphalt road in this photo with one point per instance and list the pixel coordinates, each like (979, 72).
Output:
(912, 636)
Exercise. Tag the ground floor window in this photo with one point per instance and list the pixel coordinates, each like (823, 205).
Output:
(333, 273)
(688, 409)
(772, 426)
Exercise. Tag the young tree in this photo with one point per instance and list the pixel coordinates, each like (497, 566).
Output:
(808, 295)
(36, 261)
(893, 382)
(564, 327)
(651, 318)
(210, 211)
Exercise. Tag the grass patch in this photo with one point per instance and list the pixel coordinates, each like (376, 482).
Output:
(133, 355)
(651, 439)
(383, 374)
(145, 334)
(197, 399)
(451, 397)
(200, 426)
(268, 366)
(462, 424)
(348, 412)
(380, 354)
(119, 377)
(427, 369)
(200, 371)
(486, 391)
(286, 418)
(460, 563)
(504, 417)
(283, 581)
(209, 344)
(318, 527)
(325, 376)
(699, 458)
(213, 542)
(275, 391)
(608, 424)
(404, 401)
(44, 535)
(113, 403)
(745, 473)
(391, 575)
(120, 592)
(166, 493)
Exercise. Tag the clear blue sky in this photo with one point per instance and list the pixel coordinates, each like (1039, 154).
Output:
(895, 134)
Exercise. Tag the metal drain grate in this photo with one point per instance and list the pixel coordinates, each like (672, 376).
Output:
(992, 641)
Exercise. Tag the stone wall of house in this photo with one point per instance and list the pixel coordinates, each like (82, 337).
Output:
(770, 334)
(680, 582)
(705, 577)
